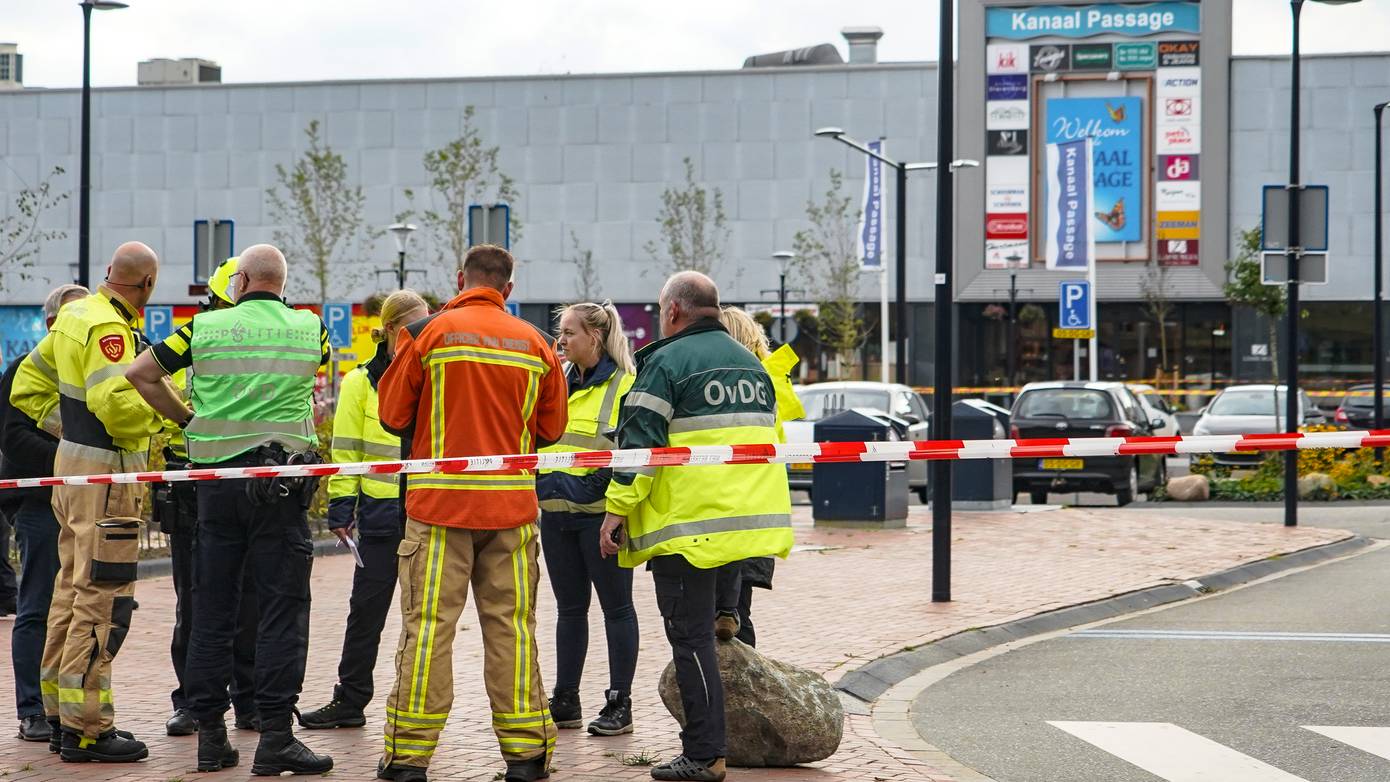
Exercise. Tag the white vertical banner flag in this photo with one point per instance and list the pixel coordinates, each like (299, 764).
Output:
(1070, 240)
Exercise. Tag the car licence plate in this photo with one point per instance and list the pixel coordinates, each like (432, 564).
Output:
(801, 466)
(1062, 464)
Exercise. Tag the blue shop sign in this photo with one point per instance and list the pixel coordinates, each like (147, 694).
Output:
(1135, 21)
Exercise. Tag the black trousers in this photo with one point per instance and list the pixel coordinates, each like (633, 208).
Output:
(734, 595)
(270, 546)
(686, 596)
(182, 545)
(577, 570)
(373, 590)
(9, 585)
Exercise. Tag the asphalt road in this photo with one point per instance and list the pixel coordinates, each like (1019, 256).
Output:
(1176, 692)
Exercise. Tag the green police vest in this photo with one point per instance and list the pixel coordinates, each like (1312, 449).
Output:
(253, 380)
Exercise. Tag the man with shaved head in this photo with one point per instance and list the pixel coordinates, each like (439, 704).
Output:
(106, 428)
(697, 386)
(252, 387)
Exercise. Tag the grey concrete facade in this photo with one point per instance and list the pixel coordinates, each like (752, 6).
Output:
(591, 154)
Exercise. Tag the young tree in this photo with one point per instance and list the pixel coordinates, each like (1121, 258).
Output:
(21, 238)
(828, 259)
(586, 281)
(461, 173)
(320, 219)
(694, 228)
(1244, 289)
(1158, 304)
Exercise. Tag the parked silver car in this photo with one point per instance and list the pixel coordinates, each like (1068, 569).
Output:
(1252, 409)
(825, 399)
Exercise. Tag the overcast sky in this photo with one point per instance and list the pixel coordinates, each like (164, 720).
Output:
(307, 40)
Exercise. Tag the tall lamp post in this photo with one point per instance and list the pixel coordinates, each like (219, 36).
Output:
(1292, 414)
(1378, 337)
(784, 259)
(900, 250)
(84, 192)
(401, 233)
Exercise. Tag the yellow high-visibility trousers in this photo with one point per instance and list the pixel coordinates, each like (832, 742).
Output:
(94, 591)
(437, 564)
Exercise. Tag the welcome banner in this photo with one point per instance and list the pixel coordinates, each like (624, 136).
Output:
(1115, 127)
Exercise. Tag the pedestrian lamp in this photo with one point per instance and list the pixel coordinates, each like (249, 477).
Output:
(784, 259)
(401, 233)
(1294, 251)
(84, 192)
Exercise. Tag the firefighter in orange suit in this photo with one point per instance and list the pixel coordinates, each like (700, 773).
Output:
(471, 380)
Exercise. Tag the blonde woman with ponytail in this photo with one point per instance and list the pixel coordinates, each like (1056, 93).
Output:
(734, 586)
(371, 505)
(600, 370)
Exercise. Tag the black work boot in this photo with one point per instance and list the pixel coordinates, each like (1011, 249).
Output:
(215, 752)
(399, 773)
(181, 724)
(55, 735)
(565, 709)
(336, 714)
(527, 770)
(616, 717)
(109, 747)
(279, 751)
(249, 722)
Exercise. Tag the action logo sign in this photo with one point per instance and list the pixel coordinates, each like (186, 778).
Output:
(1071, 243)
(112, 346)
(1115, 128)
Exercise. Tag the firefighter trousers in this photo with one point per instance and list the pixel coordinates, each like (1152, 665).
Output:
(94, 593)
(436, 566)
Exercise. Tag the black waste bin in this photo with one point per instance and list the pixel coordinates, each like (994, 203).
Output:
(860, 493)
(981, 484)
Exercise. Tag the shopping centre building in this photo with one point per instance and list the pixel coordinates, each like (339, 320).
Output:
(1186, 136)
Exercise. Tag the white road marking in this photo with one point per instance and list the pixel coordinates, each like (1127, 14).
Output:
(1231, 635)
(1375, 741)
(1173, 753)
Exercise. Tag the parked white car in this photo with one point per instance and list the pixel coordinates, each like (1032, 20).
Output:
(1157, 408)
(826, 399)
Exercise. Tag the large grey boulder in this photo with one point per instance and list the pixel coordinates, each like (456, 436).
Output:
(1189, 488)
(776, 714)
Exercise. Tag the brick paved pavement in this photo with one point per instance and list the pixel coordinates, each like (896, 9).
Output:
(843, 599)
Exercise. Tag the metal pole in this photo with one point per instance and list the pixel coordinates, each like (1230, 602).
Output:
(400, 271)
(883, 323)
(84, 193)
(1378, 337)
(945, 360)
(1012, 350)
(900, 318)
(782, 297)
(1291, 414)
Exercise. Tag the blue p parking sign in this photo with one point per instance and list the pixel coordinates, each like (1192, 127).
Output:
(159, 324)
(338, 319)
(1075, 305)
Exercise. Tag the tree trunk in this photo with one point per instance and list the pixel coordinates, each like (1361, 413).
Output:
(1274, 366)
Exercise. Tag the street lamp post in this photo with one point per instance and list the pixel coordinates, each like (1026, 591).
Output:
(1378, 337)
(1292, 415)
(84, 192)
(784, 259)
(401, 233)
(900, 251)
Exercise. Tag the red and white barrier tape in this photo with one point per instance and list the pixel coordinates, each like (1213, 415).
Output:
(762, 454)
